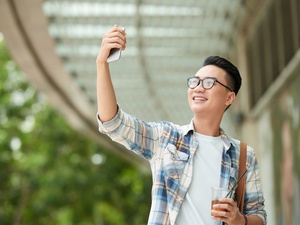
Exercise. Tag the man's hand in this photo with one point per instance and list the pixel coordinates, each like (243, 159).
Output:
(115, 38)
(228, 212)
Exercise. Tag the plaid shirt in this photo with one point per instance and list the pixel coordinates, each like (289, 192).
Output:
(170, 149)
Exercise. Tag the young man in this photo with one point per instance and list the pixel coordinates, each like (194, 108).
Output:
(186, 161)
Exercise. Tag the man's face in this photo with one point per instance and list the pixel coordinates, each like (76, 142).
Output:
(214, 101)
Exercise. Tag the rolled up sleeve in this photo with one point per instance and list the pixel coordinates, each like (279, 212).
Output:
(136, 135)
(109, 126)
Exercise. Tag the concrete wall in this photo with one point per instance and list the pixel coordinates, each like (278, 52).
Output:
(271, 122)
(273, 131)
(284, 122)
(275, 134)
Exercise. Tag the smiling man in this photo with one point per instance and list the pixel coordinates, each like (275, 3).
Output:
(186, 161)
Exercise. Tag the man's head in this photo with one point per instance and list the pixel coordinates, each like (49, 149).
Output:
(214, 87)
(234, 78)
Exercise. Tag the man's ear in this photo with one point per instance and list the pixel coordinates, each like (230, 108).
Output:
(230, 98)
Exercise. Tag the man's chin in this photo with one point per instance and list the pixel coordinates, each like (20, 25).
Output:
(198, 110)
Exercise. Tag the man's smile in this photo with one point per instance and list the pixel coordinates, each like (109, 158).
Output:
(197, 98)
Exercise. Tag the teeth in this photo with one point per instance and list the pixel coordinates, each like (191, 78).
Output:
(198, 98)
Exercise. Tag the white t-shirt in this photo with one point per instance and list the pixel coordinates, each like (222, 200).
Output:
(196, 207)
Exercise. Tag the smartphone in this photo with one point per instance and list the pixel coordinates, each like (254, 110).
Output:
(115, 54)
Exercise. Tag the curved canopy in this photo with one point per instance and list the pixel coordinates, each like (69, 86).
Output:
(56, 43)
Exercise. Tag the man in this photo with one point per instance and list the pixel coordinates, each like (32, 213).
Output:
(186, 161)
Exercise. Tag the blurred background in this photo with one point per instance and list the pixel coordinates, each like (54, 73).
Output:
(56, 168)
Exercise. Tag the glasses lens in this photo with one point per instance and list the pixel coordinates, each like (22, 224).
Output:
(193, 82)
(208, 83)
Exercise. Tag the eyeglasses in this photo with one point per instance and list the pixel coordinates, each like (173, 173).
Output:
(207, 83)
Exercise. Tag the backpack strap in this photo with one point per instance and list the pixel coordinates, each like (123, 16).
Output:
(240, 191)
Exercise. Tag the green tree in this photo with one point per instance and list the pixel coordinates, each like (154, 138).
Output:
(51, 174)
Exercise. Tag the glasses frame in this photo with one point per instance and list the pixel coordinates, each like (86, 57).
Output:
(201, 81)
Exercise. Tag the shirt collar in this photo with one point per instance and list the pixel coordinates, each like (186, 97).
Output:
(228, 142)
(189, 128)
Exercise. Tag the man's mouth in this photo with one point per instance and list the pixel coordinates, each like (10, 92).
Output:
(199, 99)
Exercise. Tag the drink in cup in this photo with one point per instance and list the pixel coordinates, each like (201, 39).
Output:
(218, 193)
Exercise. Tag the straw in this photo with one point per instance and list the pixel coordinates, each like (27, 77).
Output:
(231, 190)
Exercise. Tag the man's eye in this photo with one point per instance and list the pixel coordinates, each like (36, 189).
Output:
(208, 82)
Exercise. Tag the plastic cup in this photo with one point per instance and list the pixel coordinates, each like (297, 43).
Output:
(217, 193)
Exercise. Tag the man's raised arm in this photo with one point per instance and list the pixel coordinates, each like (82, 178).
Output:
(106, 98)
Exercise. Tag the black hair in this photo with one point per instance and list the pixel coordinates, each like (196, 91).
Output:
(230, 69)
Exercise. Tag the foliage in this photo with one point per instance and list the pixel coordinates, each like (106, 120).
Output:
(51, 174)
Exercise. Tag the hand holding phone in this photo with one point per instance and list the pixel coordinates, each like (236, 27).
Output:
(115, 54)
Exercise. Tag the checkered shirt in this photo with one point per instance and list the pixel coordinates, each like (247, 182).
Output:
(170, 149)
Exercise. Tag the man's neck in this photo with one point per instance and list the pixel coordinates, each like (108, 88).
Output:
(207, 127)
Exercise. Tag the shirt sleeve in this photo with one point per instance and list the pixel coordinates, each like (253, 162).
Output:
(111, 125)
(254, 199)
(136, 135)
